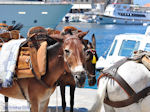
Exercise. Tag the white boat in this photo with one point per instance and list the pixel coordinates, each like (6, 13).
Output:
(125, 14)
(33, 13)
(86, 13)
(124, 45)
(77, 12)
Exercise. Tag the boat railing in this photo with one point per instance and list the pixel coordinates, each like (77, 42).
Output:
(36, 2)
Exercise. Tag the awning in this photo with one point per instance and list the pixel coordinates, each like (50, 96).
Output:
(81, 6)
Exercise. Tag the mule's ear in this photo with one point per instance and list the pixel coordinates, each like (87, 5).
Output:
(82, 34)
(57, 37)
(93, 41)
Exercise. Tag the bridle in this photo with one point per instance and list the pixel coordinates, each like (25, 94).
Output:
(93, 51)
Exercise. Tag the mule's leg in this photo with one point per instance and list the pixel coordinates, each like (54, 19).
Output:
(72, 90)
(107, 108)
(44, 105)
(6, 103)
(34, 105)
(101, 91)
(62, 89)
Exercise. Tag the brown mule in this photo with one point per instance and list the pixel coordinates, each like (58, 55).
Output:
(67, 78)
(65, 55)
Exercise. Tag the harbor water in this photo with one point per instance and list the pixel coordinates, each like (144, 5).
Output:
(104, 35)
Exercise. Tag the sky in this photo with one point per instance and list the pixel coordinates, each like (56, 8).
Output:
(141, 2)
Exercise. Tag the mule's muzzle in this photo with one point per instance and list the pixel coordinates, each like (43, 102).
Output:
(80, 78)
(92, 81)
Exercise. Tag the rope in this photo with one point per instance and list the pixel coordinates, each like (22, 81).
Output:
(106, 51)
(10, 34)
(56, 100)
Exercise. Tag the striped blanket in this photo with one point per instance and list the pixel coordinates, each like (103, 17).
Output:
(8, 59)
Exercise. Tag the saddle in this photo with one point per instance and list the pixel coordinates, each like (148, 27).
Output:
(6, 34)
(32, 55)
(142, 57)
(139, 57)
(30, 59)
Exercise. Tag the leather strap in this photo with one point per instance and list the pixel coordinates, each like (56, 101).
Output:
(133, 99)
(33, 55)
(133, 96)
(125, 86)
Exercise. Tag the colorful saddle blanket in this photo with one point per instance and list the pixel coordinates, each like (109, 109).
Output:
(9, 55)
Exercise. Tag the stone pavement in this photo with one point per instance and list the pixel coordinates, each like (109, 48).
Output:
(84, 99)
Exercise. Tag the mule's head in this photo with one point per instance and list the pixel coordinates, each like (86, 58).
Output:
(90, 62)
(74, 56)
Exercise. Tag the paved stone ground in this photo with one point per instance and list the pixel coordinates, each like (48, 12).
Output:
(84, 99)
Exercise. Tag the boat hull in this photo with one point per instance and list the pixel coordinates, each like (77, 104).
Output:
(114, 20)
(36, 14)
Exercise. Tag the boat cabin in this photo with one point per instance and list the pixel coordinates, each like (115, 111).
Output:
(124, 45)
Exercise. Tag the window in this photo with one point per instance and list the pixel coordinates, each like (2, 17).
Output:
(35, 21)
(128, 47)
(13, 22)
(44, 12)
(113, 48)
(147, 47)
(21, 12)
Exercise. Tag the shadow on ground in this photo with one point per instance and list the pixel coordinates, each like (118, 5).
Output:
(53, 109)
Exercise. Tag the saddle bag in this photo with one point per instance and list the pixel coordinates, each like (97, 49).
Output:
(25, 65)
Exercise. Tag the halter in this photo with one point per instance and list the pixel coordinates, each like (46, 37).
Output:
(93, 51)
(70, 38)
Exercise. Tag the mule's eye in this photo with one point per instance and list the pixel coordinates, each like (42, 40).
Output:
(84, 49)
(67, 51)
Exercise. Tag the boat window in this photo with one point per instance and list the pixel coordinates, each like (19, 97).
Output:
(147, 47)
(13, 22)
(128, 47)
(35, 21)
(4, 21)
(113, 48)
(100, 18)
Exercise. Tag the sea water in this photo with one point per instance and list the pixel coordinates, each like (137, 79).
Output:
(104, 36)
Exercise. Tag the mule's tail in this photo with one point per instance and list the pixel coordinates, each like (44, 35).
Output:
(97, 107)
